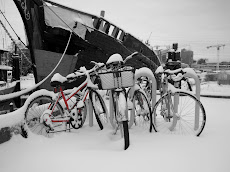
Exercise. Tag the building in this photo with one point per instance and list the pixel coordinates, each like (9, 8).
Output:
(187, 56)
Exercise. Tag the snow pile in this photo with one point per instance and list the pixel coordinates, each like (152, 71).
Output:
(89, 149)
(17, 116)
(27, 81)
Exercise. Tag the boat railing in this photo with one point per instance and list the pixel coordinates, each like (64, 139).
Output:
(100, 23)
(108, 28)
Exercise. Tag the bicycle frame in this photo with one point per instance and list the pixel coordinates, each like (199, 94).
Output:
(85, 90)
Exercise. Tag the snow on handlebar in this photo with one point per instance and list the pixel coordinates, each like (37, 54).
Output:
(130, 56)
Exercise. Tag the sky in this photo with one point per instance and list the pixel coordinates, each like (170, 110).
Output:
(193, 24)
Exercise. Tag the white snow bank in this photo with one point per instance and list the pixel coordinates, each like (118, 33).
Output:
(17, 116)
(213, 88)
(90, 150)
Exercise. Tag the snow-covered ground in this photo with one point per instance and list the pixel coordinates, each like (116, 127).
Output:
(90, 149)
(212, 88)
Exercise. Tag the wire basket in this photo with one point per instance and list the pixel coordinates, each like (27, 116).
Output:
(117, 79)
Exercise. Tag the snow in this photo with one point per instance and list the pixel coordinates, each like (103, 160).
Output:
(145, 71)
(91, 149)
(4, 67)
(58, 77)
(123, 105)
(212, 88)
(114, 58)
(27, 81)
(190, 71)
(17, 116)
(160, 69)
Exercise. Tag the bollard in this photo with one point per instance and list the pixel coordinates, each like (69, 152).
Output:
(11, 107)
(90, 112)
(144, 72)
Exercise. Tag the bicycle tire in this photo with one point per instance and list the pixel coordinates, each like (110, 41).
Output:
(99, 107)
(184, 121)
(122, 125)
(126, 134)
(34, 111)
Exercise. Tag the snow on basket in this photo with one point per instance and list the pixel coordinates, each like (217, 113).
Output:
(117, 79)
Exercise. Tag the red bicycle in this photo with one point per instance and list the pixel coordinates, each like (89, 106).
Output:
(62, 110)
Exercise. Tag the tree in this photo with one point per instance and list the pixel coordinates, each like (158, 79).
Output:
(201, 61)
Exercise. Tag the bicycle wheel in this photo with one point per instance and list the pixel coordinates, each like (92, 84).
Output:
(100, 110)
(142, 110)
(188, 118)
(80, 119)
(121, 116)
(34, 111)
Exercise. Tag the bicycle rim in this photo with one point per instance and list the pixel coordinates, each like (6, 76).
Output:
(34, 111)
(185, 122)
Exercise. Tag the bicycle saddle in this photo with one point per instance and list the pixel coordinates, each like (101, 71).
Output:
(57, 80)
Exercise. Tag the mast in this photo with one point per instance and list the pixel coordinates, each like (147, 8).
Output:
(25, 8)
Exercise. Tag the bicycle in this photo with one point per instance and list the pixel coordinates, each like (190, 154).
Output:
(116, 78)
(51, 112)
(141, 107)
(177, 111)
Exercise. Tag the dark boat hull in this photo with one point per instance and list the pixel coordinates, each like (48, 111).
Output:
(47, 43)
(5, 105)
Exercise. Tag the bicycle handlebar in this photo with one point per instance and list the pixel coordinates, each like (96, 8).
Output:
(161, 70)
(97, 66)
(180, 73)
(176, 71)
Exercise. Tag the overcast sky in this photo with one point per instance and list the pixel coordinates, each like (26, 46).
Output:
(194, 24)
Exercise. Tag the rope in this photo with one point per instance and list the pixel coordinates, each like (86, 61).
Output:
(26, 91)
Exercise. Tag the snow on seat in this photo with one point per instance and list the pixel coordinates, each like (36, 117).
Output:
(57, 80)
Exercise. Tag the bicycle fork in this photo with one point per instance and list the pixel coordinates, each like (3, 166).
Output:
(121, 111)
(172, 110)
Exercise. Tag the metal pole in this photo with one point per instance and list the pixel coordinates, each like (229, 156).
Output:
(90, 112)
(218, 53)
(16, 76)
